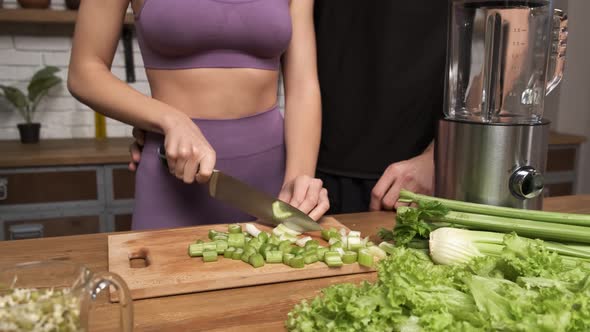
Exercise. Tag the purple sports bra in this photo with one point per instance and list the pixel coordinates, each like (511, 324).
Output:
(180, 34)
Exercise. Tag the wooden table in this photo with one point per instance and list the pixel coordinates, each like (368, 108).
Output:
(257, 308)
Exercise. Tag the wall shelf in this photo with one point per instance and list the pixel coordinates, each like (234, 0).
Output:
(44, 16)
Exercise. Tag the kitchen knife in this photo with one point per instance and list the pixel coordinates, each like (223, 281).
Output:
(254, 202)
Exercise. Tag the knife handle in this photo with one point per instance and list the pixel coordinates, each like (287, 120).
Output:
(162, 155)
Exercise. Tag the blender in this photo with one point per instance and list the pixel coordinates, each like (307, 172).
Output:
(503, 58)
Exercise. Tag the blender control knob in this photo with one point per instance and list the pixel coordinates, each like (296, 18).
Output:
(526, 183)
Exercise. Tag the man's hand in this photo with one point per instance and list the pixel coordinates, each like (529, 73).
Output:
(135, 148)
(416, 174)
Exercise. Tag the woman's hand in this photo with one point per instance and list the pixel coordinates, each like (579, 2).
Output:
(307, 194)
(188, 153)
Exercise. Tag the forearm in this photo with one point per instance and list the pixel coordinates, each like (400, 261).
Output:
(95, 86)
(303, 123)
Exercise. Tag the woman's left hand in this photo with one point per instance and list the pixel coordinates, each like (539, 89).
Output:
(307, 194)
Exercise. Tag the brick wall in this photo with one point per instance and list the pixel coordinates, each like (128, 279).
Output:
(60, 115)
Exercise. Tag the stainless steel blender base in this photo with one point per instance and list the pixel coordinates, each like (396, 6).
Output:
(497, 164)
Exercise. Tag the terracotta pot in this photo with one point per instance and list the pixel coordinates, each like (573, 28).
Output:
(34, 3)
(29, 132)
(73, 4)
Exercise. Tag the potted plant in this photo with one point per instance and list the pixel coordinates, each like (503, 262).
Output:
(43, 80)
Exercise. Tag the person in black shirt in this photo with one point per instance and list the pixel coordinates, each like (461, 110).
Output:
(381, 70)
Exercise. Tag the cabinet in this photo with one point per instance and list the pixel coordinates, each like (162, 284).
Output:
(65, 187)
(562, 170)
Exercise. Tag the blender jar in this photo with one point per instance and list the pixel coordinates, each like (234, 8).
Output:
(499, 57)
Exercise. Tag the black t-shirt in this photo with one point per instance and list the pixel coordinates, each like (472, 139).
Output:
(381, 68)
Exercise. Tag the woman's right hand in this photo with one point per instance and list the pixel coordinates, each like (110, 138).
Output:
(189, 155)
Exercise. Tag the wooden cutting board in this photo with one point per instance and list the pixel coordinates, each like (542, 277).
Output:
(166, 269)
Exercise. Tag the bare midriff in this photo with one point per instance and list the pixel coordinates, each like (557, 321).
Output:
(215, 93)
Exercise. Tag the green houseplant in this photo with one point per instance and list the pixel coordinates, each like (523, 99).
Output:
(43, 80)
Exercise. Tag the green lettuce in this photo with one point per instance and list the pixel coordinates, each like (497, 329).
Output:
(527, 288)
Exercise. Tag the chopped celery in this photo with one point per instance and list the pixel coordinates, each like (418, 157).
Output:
(199, 241)
(212, 233)
(297, 262)
(274, 240)
(274, 256)
(265, 253)
(234, 228)
(333, 241)
(340, 251)
(228, 253)
(321, 252)
(283, 229)
(237, 254)
(354, 243)
(209, 256)
(254, 243)
(354, 234)
(332, 259)
(326, 234)
(246, 257)
(290, 238)
(220, 246)
(264, 247)
(196, 249)
(312, 244)
(263, 237)
(297, 250)
(236, 240)
(285, 246)
(365, 258)
(256, 260)
(330, 254)
(287, 257)
(209, 246)
(310, 258)
(344, 241)
(252, 230)
(342, 232)
(220, 237)
(349, 257)
(250, 250)
(334, 234)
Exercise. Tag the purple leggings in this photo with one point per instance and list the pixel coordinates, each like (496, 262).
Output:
(251, 149)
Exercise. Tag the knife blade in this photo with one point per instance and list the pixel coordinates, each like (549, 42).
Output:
(254, 202)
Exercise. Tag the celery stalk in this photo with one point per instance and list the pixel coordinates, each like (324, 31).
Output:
(544, 216)
(528, 228)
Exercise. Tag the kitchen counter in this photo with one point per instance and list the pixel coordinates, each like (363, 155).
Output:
(89, 151)
(58, 152)
(257, 308)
